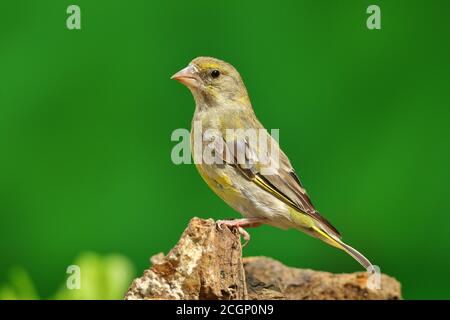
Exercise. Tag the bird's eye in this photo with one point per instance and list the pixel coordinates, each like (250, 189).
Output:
(215, 73)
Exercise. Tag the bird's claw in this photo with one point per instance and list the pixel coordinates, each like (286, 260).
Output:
(234, 225)
(245, 235)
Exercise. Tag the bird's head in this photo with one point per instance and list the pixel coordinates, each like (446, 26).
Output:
(213, 81)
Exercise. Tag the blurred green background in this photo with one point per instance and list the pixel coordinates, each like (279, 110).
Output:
(86, 118)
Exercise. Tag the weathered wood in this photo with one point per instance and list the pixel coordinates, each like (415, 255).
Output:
(207, 263)
(270, 279)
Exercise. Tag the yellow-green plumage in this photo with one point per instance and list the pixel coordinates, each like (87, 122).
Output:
(222, 103)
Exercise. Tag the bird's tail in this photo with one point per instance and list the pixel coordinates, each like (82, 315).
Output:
(338, 243)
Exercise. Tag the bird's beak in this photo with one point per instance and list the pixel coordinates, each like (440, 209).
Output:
(187, 76)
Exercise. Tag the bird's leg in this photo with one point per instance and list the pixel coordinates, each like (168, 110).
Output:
(244, 223)
(240, 224)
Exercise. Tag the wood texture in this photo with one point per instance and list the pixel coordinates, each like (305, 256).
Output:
(207, 263)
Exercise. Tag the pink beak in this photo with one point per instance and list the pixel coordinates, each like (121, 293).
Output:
(187, 76)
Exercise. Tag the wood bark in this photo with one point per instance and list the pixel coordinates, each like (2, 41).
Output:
(207, 263)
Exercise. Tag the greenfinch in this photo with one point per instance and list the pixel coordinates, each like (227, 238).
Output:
(254, 178)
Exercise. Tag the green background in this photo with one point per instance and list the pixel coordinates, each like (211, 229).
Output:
(86, 118)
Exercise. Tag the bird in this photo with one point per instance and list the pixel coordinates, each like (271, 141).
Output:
(259, 183)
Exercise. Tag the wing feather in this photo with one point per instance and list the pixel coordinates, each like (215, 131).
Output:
(283, 183)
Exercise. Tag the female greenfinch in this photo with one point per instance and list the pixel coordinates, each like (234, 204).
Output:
(256, 180)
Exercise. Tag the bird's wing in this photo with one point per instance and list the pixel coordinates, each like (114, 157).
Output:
(282, 182)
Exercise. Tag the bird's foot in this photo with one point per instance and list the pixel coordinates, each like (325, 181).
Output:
(245, 235)
(240, 224)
